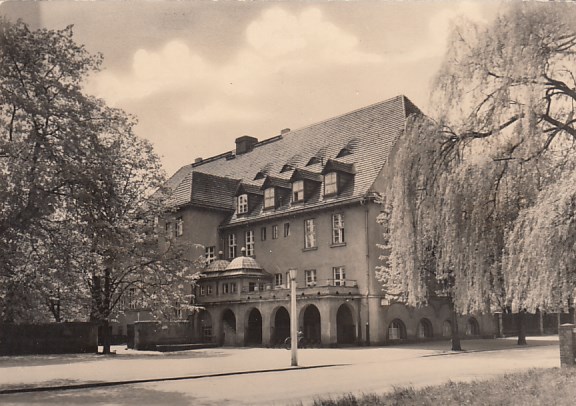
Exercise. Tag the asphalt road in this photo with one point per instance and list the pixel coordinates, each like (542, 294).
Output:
(330, 372)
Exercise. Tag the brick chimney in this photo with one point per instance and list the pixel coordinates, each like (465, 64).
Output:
(245, 144)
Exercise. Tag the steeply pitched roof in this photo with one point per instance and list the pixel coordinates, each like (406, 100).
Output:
(372, 131)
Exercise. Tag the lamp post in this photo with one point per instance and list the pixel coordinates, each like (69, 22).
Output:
(293, 318)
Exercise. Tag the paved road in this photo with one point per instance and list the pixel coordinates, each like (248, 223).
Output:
(336, 371)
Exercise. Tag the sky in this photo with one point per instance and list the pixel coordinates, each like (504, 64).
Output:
(199, 74)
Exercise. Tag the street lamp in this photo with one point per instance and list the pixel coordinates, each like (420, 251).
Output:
(293, 318)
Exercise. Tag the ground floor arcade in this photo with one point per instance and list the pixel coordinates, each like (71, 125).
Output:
(331, 321)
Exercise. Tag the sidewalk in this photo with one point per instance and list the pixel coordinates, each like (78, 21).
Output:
(129, 366)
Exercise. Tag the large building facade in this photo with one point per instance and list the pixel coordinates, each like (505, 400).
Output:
(304, 200)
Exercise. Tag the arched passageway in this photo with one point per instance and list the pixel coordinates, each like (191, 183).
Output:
(345, 329)
(472, 327)
(425, 329)
(311, 325)
(254, 328)
(281, 326)
(229, 328)
(397, 330)
(205, 322)
(447, 328)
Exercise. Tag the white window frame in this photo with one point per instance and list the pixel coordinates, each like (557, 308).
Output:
(233, 287)
(298, 191)
(169, 227)
(210, 254)
(179, 226)
(339, 275)
(208, 290)
(249, 238)
(232, 245)
(275, 232)
(263, 233)
(331, 183)
(269, 198)
(202, 290)
(278, 279)
(242, 204)
(309, 233)
(286, 229)
(338, 228)
(225, 289)
(310, 275)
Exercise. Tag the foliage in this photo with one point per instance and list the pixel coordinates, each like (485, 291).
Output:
(536, 386)
(479, 207)
(76, 213)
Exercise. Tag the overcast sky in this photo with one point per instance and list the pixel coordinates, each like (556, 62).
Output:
(199, 74)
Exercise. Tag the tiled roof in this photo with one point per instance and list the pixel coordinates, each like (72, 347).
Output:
(370, 133)
(303, 174)
(338, 166)
(272, 181)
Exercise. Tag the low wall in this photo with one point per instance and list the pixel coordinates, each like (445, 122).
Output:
(51, 338)
(148, 334)
(535, 323)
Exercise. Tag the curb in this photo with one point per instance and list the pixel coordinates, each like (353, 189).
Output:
(134, 381)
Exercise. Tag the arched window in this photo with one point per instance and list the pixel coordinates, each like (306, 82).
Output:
(397, 330)
(425, 329)
(472, 327)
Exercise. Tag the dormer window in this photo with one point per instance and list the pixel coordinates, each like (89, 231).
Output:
(331, 183)
(242, 204)
(298, 191)
(260, 175)
(343, 152)
(286, 168)
(314, 160)
(269, 198)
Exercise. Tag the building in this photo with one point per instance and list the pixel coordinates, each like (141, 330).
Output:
(304, 200)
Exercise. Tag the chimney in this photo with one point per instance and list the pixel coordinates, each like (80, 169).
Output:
(198, 160)
(284, 131)
(245, 144)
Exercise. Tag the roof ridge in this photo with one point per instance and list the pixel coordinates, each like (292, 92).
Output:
(265, 141)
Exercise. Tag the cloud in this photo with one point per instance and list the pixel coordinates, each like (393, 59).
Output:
(216, 111)
(277, 45)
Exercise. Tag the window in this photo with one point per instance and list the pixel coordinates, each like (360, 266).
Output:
(278, 279)
(309, 234)
(179, 226)
(225, 288)
(269, 199)
(242, 204)
(263, 233)
(396, 330)
(231, 245)
(210, 254)
(252, 287)
(250, 243)
(169, 230)
(286, 229)
(337, 228)
(274, 232)
(298, 191)
(232, 288)
(339, 276)
(310, 277)
(261, 287)
(331, 183)
(132, 298)
(202, 290)
(208, 289)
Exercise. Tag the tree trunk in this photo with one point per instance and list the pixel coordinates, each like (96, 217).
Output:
(456, 346)
(106, 339)
(521, 328)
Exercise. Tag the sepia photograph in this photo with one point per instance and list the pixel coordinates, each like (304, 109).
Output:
(287, 202)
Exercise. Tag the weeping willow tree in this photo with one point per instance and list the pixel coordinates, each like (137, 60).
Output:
(463, 211)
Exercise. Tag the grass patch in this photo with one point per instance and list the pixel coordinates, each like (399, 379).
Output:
(534, 387)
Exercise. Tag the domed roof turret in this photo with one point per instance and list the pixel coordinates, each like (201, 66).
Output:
(243, 263)
(217, 266)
